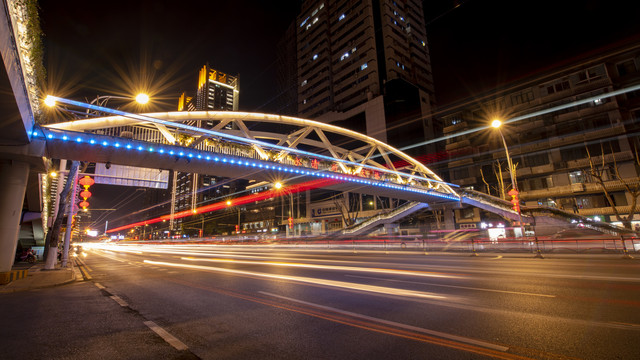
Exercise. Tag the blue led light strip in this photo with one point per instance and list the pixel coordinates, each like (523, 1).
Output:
(135, 145)
(237, 138)
(172, 150)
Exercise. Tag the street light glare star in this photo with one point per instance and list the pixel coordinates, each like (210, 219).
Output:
(496, 123)
(50, 101)
(142, 98)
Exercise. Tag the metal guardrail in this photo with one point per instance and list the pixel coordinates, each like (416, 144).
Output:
(532, 214)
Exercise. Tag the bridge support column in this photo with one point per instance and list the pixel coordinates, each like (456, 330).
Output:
(13, 185)
(449, 219)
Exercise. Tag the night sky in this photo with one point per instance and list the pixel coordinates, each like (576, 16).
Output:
(124, 47)
(119, 47)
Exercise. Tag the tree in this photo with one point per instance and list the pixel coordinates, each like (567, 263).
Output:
(601, 174)
(53, 236)
(347, 208)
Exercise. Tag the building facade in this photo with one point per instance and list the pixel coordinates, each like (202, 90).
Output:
(364, 65)
(569, 139)
(216, 91)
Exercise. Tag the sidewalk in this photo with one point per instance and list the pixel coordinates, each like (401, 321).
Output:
(38, 277)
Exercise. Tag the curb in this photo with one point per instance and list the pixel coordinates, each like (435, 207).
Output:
(9, 276)
(8, 288)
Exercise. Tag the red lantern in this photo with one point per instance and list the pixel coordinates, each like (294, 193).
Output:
(86, 182)
(83, 204)
(85, 194)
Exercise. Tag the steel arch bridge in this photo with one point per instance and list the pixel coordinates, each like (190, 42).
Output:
(253, 145)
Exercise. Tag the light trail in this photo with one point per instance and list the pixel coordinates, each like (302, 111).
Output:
(327, 267)
(260, 260)
(292, 189)
(307, 280)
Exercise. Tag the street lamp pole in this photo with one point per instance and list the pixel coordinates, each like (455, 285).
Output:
(514, 184)
(279, 187)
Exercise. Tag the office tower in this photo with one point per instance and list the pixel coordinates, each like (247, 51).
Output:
(365, 65)
(216, 91)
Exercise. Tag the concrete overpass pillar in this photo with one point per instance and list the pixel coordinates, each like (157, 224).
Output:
(449, 218)
(13, 184)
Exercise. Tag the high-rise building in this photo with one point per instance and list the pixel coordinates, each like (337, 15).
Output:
(573, 145)
(365, 65)
(216, 91)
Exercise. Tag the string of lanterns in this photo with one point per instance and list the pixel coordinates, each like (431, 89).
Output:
(86, 182)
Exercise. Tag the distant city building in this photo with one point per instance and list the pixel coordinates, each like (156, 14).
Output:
(552, 149)
(216, 91)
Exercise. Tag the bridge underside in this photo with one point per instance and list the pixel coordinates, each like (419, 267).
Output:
(77, 146)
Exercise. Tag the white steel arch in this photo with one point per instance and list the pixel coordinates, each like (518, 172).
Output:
(273, 137)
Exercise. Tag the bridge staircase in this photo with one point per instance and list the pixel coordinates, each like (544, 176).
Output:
(539, 216)
(381, 219)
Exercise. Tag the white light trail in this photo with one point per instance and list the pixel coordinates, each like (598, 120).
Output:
(323, 282)
(326, 267)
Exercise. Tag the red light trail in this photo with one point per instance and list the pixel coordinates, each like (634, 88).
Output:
(292, 189)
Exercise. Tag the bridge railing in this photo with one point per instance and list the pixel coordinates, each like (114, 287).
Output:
(382, 216)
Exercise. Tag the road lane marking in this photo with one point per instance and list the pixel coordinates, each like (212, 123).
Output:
(172, 340)
(99, 286)
(119, 300)
(497, 257)
(84, 273)
(453, 286)
(462, 339)
(322, 282)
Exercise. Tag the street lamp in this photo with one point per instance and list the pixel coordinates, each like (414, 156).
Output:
(278, 186)
(229, 203)
(514, 184)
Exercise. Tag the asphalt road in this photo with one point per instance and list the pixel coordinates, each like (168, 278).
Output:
(261, 303)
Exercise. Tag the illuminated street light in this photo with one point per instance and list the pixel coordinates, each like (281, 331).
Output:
(278, 186)
(49, 101)
(514, 184)
(237, 226)
(142, 98)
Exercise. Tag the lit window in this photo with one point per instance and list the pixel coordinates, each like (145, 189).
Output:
(341, 17)
(315, 56)
(424, 43)
(304, 22)
(304, 83)
(401, 18)
(363, 66)
(304, 101)
(315, 20)
(344, 56)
